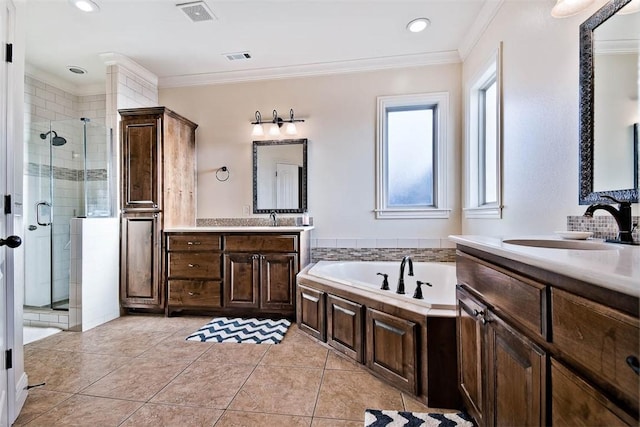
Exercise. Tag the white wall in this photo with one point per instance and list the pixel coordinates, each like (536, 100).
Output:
(540, 92)
(340, 114)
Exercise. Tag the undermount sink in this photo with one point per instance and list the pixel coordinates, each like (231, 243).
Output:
(561, 244)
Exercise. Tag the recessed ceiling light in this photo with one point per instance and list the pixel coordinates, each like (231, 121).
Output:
(418, 24)
(85, 5)
(76, 70)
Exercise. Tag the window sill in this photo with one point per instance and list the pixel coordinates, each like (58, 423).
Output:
(412, 213)
(481, 212)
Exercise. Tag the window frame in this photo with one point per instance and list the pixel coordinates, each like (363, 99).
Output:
(475, 189)
(439, 209)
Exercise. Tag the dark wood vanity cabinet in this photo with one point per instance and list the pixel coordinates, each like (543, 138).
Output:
(311, 315)
(538, 348)
(245, 274)
(344, 327)
(157, 191)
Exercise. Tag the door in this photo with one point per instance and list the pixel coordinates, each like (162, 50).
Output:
(241, 280)
(140, 261)
(287, 186)
(344, 327)
(278, 281)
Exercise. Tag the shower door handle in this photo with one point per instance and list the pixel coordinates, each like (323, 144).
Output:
(38, 206)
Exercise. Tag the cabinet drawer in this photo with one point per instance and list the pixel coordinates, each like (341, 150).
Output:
(511, 295)
(194, 242)
(194, 293)
(599, 339)
(574, 402)
(256, 243)
(194, 265)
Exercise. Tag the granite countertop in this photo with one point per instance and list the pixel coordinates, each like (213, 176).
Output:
(240, 228)
(617, 269)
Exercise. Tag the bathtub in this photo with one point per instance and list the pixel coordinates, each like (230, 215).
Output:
(440, 298)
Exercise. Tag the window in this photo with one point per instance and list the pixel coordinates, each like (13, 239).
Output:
(411, 154)
(484, 143)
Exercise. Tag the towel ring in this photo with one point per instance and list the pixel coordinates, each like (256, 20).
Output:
(220, 174)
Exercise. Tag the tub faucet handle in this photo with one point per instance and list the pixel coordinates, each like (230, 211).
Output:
(418, 293)
(385, 282)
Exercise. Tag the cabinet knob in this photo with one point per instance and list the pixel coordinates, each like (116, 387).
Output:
(478, 313)
(194, 265)
(193, 243)
(484, 320)
(634, 364)
(191, 294)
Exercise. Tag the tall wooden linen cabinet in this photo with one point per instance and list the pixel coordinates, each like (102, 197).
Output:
(158, 191)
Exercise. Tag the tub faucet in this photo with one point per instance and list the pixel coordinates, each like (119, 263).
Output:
(622, 215)
(400, 289)
(274, 218)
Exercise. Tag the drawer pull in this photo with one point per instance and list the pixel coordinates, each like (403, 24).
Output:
(193, 243)
(634, 363)
(194, 265)
(484, 320)
(192, 294)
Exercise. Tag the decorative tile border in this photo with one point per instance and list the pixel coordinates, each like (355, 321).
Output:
(36, 169)
(602, 226)
(383, 254)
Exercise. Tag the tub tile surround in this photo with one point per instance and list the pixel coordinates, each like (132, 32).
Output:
(348, 249)
(602, 226)
(83, 371)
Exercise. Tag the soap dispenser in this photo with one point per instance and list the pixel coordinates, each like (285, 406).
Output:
(305, 218)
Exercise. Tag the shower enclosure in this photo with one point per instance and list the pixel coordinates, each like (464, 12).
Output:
(67, 175)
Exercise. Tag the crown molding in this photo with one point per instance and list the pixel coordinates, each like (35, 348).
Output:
(112, 58)
(485, 16)
(62, 84)
(309, 70)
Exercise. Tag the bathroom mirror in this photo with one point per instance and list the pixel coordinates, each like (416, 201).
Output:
(280, 176)
(609, 105)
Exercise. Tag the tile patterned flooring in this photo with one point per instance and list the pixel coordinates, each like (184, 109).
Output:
(138, 370)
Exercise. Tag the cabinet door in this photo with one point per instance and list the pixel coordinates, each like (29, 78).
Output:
(140, 265)
(391, 349)
(344, 327)
(470, 353)
(311, 311)
(278, 281)
(141, 170)
(516, 377)
(574, 402)
(241, 280)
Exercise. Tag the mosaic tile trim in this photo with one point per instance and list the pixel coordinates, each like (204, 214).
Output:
(67, 174)
(602, 226)
(383, 254)
(247, 222)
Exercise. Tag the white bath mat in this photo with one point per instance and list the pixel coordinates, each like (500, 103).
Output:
(377, 418)
(239, 330)
(32, 333)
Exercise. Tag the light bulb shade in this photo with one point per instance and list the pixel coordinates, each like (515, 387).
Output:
(291, 129)
(85, 5)
(566, 8)
(274, 130)
(257, 130)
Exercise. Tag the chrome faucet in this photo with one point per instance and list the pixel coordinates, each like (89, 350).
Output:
(274, 218)
(622, 215)
(400, 289)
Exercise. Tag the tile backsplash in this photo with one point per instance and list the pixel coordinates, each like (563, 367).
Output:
(602, 226)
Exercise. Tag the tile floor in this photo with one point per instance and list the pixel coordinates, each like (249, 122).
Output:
(138, 370)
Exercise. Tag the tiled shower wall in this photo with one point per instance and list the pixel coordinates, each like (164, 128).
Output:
(45, 103)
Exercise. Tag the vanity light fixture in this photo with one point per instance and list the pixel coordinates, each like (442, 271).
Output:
(257, 125)
(418, 25)
(85, 5)
(566, 8)
(276, 124)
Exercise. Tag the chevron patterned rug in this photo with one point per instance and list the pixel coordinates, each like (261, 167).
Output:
(238, 330)
(376, 418)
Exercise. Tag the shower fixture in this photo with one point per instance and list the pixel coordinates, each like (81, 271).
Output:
(56, 141)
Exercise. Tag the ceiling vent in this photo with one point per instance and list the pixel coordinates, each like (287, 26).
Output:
(237, 56)
(197, 11)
